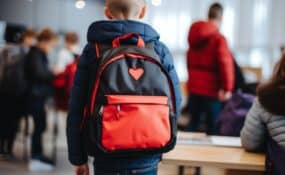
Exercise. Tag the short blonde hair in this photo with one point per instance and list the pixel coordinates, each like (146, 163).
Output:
(126, 8)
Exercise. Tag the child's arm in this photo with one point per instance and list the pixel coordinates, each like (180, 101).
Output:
(79, 94)
(225, 65)
(167, 62)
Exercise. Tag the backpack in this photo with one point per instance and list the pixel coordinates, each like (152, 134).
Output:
(131, 109)
(275, 158)
(233, 115)
(12, 71)
(62, 84)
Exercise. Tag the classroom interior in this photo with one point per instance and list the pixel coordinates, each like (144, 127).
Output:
(255, 32)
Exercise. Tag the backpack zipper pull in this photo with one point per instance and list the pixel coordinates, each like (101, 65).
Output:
(118, 112)
(101, 111)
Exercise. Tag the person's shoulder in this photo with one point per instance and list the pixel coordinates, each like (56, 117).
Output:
(270, 116)
(161, 48)
(11, 48)
(259, 108)
(34, 51)
(88, 55)
(199, 23)
(64, 53)
(220, 37)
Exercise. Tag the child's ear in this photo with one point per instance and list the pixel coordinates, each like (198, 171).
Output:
(108, 13)
(142, 12)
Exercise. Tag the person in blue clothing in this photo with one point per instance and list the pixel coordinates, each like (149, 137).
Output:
(123, 18)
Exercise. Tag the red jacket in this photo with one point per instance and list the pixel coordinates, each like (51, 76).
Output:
(209, 61)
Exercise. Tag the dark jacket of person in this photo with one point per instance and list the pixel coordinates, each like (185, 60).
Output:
(38, 74)
(209, 61)
(239, 77)
(105, 32)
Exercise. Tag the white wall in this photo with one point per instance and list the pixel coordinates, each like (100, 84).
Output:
(255, 29)
(61, 15)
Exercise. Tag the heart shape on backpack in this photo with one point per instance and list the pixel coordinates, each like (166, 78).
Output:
(136, 73)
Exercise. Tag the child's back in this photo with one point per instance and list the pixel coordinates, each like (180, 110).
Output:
(103, 33)
(263, 128)
(265, 123)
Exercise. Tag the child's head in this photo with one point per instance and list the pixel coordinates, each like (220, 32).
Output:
(71, 41)
(47, 40)
(125, 9)
(215, 14)
(29, 38)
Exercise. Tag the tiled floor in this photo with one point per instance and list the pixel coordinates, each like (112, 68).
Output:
(21, 168)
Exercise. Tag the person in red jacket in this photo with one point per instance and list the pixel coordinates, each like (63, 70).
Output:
(210, 68)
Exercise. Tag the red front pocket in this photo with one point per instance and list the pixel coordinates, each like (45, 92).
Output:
(135, 122)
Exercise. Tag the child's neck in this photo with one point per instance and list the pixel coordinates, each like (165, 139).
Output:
(125, 19)
(121, 18)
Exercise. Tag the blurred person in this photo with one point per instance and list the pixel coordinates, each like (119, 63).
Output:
(39, 80)
(66, 64)
(210, 68)
(265, 123)
(66, 58)
(13, 88)
(28, 40)
(123, 23)
(67, 55)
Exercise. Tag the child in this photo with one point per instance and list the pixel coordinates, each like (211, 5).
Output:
(265, 123)
(13, 89)
(122, 15)
(66, 54)
(39, 78)
(208, 57)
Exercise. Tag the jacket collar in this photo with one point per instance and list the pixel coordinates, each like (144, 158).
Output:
(106, 31)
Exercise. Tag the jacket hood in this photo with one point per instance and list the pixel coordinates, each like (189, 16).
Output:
(201, 32)
(272, 97)
(106, 31)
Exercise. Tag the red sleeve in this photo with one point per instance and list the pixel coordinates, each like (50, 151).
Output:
(225, 64)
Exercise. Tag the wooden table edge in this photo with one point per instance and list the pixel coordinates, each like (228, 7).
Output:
(232, 166)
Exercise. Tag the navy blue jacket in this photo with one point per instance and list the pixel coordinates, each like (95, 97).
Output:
(104, 32)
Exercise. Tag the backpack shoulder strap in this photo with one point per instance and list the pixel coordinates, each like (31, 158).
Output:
(101, 48)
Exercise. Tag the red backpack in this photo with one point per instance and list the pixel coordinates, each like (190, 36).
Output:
(62, 85)
(131, 109)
